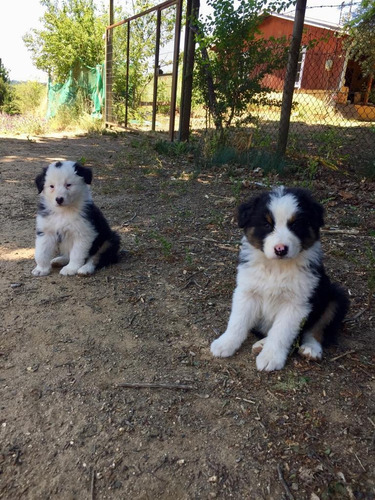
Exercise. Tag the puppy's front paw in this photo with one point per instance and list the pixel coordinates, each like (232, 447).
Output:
(223, 347)
(270, 359)
(69, 270)
(41, 271)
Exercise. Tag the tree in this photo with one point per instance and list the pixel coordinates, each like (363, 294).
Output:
(233, 58)
(6, 92)
(72, 35)
(361, 37)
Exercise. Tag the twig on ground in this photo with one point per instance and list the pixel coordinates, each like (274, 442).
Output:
(356, 316)
(340, 231)
(129, 220)
(153, 385)
(227, 247)
(92, 485)
(130, 322)
(246, 400)
(343, 355)
(360, 463)
(283, 482)
(258, 418)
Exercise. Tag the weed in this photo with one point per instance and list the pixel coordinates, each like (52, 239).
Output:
(291, 383)
(173, 148)
(217, 218)
(166, 245)
(371, 273)
(22, 124)
(236, 189)
(330, 142)
(188, 258)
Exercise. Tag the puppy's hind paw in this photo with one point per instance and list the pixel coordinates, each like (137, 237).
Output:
(68, 271)
(59, 261)
(40, 271)
(311, 350)
(86, 270)
(258, 346)
(223, 347)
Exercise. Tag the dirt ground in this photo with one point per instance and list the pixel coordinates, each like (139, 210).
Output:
(209, 428)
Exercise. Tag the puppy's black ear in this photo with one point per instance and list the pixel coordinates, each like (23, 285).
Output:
(40, 180)
(246, 210)
(83, 172)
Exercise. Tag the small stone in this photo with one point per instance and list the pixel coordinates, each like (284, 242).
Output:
(212, 479)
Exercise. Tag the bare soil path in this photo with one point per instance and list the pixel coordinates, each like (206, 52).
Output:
(108, 388)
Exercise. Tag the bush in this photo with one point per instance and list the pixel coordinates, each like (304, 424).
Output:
(28, 96)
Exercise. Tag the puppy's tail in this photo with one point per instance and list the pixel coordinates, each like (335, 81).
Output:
(111, 253)
(340, 301)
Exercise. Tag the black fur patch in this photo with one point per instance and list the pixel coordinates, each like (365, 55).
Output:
(309, 219)
(84, 172)
(325, 293)
(43, 210)
(256, 219)
(105, 235)
(40, 180)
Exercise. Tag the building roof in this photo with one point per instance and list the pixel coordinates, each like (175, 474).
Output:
(311, 22)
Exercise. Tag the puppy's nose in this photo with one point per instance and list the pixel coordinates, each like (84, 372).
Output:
(59, 200)
(281, 250)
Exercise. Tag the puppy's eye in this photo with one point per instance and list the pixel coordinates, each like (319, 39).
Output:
(296, 223)
(52, 186)
(267, 225)
(68, 185)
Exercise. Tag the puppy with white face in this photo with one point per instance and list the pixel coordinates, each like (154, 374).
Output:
(71, 232)
(282, 288)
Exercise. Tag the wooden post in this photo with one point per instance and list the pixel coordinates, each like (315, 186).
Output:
(108, 115)
(127, 74)
(192, 13)
(290, 77)
(156, 71)
(177, 35)
(368, 90)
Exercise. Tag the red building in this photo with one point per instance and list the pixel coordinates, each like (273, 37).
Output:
(323, 64)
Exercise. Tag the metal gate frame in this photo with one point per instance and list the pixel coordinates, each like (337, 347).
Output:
(177, 34)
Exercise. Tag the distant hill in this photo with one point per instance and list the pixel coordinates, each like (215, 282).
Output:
(16, 82)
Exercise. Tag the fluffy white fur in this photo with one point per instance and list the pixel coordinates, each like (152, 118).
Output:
(68, 224)
(271, 297)
(277, 277)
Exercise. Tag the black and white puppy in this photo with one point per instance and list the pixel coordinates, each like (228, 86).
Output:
(282, 288)
(70, 230)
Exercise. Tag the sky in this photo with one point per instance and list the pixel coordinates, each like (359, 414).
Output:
(20, 16)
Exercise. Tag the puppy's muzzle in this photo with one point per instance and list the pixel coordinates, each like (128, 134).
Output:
(59, 200)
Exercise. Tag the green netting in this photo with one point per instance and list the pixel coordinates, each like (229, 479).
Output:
(87, 81)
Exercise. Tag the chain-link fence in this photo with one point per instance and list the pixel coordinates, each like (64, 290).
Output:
(336, 126)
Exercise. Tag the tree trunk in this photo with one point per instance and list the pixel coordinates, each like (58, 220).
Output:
(290, 77)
